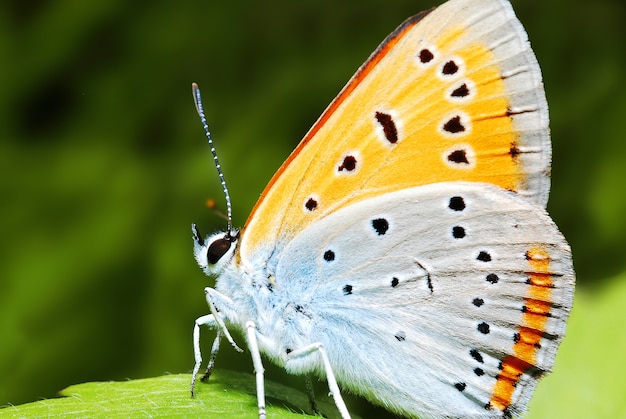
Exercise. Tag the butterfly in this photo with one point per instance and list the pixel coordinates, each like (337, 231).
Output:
(403, 251)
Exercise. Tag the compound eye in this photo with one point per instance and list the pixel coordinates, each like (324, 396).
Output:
(217, 249)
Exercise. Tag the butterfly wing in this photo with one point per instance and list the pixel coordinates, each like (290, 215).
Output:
(442, 300)
(454, 94)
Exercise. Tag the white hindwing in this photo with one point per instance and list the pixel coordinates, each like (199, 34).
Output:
(419, 295)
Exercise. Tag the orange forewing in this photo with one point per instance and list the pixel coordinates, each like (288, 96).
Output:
(346, 156)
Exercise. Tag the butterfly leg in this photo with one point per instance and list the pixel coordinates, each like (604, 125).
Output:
(213, 321)
(253, 345)
(309, 391)
(208, 320)
(225, 302)
(214, 350)
(330, 376)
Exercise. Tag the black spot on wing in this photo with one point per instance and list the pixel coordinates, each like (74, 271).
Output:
(450, 68)
(348, 164)
(476, 355)
(492, 278)
(458, 232)
(478, 302)
(454, 125)
(458, 157)
(380, 226)
(311, 204)
(388, 125)
(461, 91)
(483, 328)
(426, 56)
(457, 203)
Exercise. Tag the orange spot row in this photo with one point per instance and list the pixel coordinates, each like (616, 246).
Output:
(512, 370)
(528, 338)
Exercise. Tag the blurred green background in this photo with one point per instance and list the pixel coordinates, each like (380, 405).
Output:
(104, 168)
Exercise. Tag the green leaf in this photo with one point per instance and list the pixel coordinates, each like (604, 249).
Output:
(227, 395)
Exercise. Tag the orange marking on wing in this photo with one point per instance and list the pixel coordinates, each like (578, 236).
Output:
(512, 370)
(537, 312)
(528, 338)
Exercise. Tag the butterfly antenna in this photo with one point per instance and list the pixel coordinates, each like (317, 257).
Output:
(198, 101)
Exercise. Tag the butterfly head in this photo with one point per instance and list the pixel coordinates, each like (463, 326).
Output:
(213, 252)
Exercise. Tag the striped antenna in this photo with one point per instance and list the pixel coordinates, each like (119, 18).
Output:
(198, 101)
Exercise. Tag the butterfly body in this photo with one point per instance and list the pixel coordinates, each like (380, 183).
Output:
(403, 250)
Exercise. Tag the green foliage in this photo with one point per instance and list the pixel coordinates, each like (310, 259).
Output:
(229, 395)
